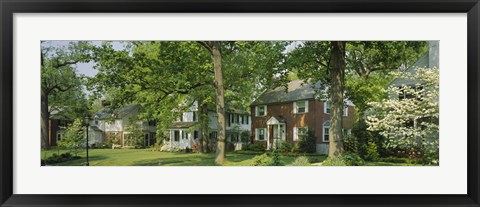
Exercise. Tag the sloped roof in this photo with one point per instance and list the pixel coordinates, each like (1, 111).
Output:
(182, 125)
(297, 90)
(422, 62)
(119, 113)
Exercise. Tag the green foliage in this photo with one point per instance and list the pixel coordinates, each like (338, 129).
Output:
(308, 144)
(275, 154)
(256, 147)
(284, 147)
(267, 159)
(134, 135)
(74, 136)
(410, 121)
(358, 141)
(372, 152)
(346, 159)
(261, 160)
(55, 158)
(301, 161)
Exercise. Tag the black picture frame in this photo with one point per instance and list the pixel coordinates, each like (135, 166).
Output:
(10, 7)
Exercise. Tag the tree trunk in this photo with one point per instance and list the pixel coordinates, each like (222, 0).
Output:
(204, 127)
(337, 76)
(217, 67)
(44, 120)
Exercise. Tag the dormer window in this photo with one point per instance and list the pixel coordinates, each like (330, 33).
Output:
(261, 110)
(300, 107)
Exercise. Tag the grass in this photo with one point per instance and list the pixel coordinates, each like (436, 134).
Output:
(148, 157)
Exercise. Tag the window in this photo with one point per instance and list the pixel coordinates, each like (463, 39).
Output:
(326, 131)
(234, 137)
(213, 135)
(261, 110)
(326, 107)
(300, 107)
(346, 132)
(176, 135)
(184, 135)
(247, 117)
(299, 132)
(59, 136)
(243, 119)
(260, 134)
(195, 117)
(195, 134)
(147, 140)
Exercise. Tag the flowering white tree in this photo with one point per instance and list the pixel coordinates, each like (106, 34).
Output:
(409, 119)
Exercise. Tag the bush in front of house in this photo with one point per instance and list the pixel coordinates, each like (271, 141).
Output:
(261, 160)
(56, 158)
(308, 144)
(256, 147)
(301, 161)
(346, 159)
(267, 159)
(372, 152)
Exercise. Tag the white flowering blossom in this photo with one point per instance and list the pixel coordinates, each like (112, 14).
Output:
(410, 117)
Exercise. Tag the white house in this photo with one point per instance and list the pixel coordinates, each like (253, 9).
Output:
(105, 125)
(184, 132)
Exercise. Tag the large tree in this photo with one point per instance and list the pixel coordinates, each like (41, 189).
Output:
(329, 63)
(163, 76)
(61, 87)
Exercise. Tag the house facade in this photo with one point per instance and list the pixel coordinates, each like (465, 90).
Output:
(115, 127)
(279, 116)
(184, 132)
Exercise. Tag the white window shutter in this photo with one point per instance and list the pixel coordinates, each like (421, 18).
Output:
(306, 106)
(294, 107)
(256, 134)
(295, 133)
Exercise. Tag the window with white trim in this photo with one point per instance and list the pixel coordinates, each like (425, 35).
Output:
(299, 133)
(300, 107)
(326, 107)
(59, 136)
(326, 131)
(260, 134)
(261, 110)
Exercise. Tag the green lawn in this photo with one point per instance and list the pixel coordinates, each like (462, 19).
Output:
(148, 157)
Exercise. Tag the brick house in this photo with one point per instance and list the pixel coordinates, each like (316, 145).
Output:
(279, 116)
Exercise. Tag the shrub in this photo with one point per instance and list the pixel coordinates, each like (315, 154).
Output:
(295, 149)
(230, 147)
(372, 153)
(352, 159)
(256, 147)
(56, 158)
(276, 158)
(346, 159)
(301, 161)
(338, 161)
(261, 160)
(285, 147)
(308, 144)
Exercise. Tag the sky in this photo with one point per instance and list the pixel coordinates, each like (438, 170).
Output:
(84, 68)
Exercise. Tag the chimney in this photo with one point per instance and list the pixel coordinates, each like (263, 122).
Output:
(433, 54)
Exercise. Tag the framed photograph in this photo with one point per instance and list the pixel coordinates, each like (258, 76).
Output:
(200, 103)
